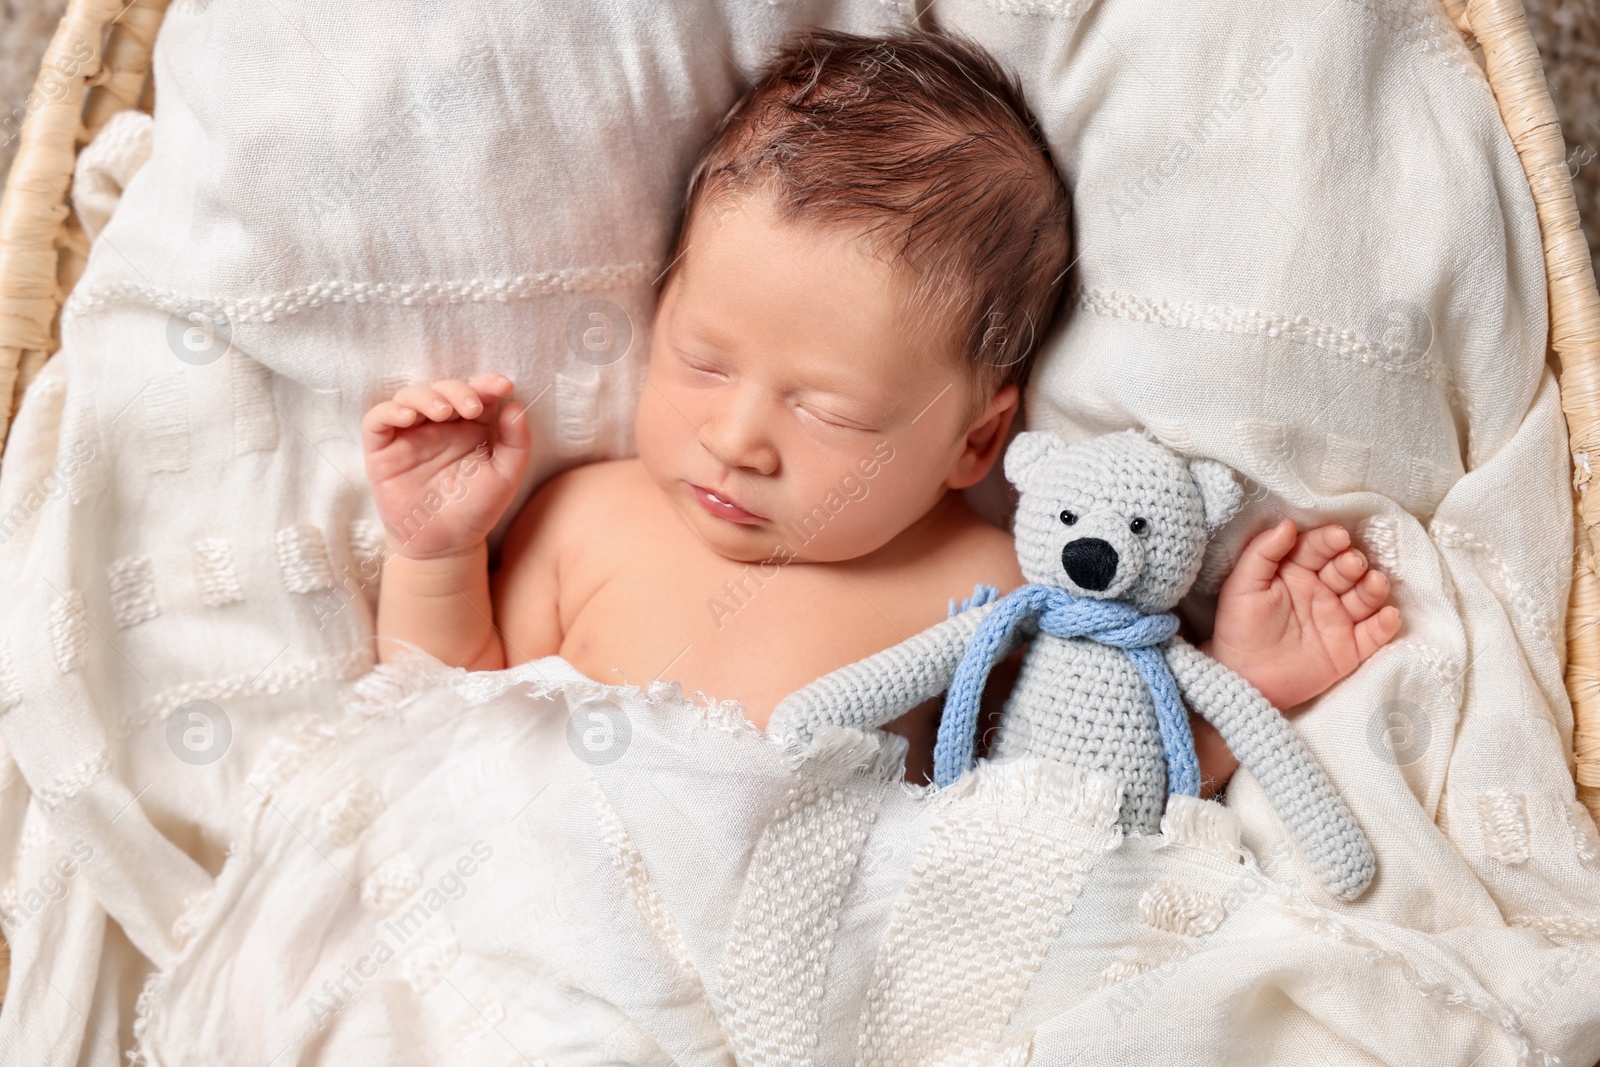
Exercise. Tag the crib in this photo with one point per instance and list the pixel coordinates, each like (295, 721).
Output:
(44, 246)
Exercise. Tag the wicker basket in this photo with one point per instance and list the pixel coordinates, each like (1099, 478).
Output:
(43, 250)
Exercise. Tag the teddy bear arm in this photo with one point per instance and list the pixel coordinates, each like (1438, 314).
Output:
(879, 689)
(1289, 774)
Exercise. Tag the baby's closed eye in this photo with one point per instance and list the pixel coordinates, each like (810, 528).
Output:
(834, 419)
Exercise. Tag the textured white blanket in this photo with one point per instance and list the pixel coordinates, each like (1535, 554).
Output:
(529, 867)
(1307, 249)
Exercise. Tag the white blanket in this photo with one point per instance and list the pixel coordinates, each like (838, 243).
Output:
(1309, 252)
(530, 867)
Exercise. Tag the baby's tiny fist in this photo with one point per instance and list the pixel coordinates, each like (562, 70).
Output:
(444, 461)
(1301, 611)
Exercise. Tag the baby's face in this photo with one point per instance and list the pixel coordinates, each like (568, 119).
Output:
(790, 410)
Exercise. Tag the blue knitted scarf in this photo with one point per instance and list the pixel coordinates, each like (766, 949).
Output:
(1064, 615)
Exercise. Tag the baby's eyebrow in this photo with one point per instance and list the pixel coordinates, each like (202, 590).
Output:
(691, 339)
(702, 331)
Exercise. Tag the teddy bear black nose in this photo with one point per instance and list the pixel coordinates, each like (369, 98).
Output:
(1090, 562)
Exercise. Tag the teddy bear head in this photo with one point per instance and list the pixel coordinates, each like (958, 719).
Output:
(1117, 517)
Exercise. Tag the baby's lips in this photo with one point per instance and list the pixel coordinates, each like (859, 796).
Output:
(722, 503)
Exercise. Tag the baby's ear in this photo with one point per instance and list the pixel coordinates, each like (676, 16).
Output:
(1025, 453)
(1220, 493)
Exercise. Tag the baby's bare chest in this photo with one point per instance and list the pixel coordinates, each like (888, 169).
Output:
(752, 632)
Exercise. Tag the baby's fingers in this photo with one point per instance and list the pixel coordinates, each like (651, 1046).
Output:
(513, 442)
(1258, 563)
(492, 383)
(428, 401)
(463, 398)
(1344, 571)
(381, 420)
(1317, 548)
(1367, 596)
(1372, 634)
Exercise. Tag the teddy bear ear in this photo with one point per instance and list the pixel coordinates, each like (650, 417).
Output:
(1026, 450)
(1220, 493)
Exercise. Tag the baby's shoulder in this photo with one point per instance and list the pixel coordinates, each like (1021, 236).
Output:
(976, 549)
(971, 531)
(584, 503)
(592, 490)
(956, 553)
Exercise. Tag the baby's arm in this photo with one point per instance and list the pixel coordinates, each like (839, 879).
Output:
(444, 466)
(1298, 613)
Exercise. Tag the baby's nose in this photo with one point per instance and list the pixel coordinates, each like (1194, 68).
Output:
(1090, 562)
(740, 438)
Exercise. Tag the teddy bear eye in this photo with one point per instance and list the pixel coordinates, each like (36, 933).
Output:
(1068, 518)
(1140, 526)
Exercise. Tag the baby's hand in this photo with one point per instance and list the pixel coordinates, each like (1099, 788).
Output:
(1301, 611)
(440, 476)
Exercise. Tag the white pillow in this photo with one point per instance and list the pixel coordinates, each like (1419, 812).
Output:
(364, 196)
(1305, 243)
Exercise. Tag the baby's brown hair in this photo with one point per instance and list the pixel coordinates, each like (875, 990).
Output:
(924, 144)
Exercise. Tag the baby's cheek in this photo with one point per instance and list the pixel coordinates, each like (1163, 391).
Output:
(856, 513)
(654, 433)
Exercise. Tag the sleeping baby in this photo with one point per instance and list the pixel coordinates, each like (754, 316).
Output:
(872, 245)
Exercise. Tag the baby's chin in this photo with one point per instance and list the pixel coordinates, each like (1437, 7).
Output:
(770, 541)
(779, 540)
(739, 542)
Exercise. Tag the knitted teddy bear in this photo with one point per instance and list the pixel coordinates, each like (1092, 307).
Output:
(1110, 534)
